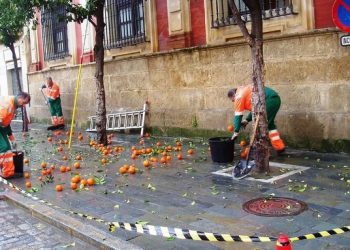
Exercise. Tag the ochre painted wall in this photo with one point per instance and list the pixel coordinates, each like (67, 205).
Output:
(313, 83)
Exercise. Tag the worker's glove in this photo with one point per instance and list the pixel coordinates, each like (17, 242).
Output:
(13, 145)
(244, 123)
(12, 141)
(234, 136)
(43, 86)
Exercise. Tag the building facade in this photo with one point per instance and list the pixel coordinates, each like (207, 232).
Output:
(8, 84)
(182, 56)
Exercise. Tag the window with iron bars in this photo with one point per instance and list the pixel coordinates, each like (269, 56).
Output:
(54, 33)
(125, 23)
(221, 13)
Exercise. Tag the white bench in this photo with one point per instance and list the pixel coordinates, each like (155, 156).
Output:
(122, 120)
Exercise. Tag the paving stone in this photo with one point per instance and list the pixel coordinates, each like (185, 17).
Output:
(226, 211)
(182, 182)
(24, 226)
(208, 225)
(150, 242)
(325, 211)
(37, 235)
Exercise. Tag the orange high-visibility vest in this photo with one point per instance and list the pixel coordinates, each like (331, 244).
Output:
(7, 110)
(53, 92)
(243, 99)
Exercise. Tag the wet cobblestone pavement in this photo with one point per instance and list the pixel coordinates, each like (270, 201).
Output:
(185, 194)
(19, 230)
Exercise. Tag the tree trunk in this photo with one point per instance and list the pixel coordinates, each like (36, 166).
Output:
(14, 58)
(100, 90)
(261, 144)
(255, 41)
(23, 109)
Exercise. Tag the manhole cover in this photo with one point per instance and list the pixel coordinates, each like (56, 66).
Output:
(274, 206)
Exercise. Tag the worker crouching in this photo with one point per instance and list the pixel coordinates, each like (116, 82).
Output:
(242, 98)
(8, 106)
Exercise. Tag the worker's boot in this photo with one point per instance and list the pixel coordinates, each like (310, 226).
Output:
(276, 141)
(14, 176)
(54, 120)
(60, 120)
(8, 167)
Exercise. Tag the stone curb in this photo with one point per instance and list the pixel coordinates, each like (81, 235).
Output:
(68, 224)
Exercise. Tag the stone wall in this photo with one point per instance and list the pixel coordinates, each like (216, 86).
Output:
(310, 71)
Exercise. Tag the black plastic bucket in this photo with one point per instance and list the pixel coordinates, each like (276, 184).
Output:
(18, 162)
(222, 149)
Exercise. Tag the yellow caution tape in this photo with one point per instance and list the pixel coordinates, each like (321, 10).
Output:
(334, 231)
(186, 233)
(178, 232)
(29, 195)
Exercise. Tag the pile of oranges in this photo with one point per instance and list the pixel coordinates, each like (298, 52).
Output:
(128, 169)
(243, 143)
(244, 149)
(47, 171)
(80, 136)
(76, 180)
(164, 152)
(158, 153)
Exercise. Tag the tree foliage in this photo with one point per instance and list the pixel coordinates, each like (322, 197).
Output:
(93, 12)
(17, 14)
(75, 12)
(14, 16)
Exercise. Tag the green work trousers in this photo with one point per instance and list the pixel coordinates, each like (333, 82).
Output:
(272, 106)
(55, 107)
(4, 141)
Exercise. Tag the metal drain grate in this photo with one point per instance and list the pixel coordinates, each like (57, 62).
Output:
(274, 206)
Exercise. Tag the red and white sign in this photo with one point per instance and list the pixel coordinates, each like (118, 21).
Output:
(341, 14)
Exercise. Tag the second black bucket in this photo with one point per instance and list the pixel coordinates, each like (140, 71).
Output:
(221, 149)
(18, 162)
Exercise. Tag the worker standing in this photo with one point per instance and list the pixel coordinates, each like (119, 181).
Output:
(54, 99)
(242, 98)
(8, 106)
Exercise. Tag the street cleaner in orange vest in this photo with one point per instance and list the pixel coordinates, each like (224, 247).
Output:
(8, 106)
(53, 94)
(242, 98)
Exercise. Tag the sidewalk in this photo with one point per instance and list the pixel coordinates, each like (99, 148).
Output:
(185, 194)
(19, 230)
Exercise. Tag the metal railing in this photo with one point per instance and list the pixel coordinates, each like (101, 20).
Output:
(221, 13)
(54, 33)
(125, 23)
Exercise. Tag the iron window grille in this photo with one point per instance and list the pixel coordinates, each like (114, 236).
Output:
(54, 33)
(221, 13)
(125, 23)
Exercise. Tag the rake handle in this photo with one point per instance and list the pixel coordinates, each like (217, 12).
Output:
(253, 137)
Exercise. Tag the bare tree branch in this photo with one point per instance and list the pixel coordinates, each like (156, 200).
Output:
(240, 23)
(92, 22)
(256, 17)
